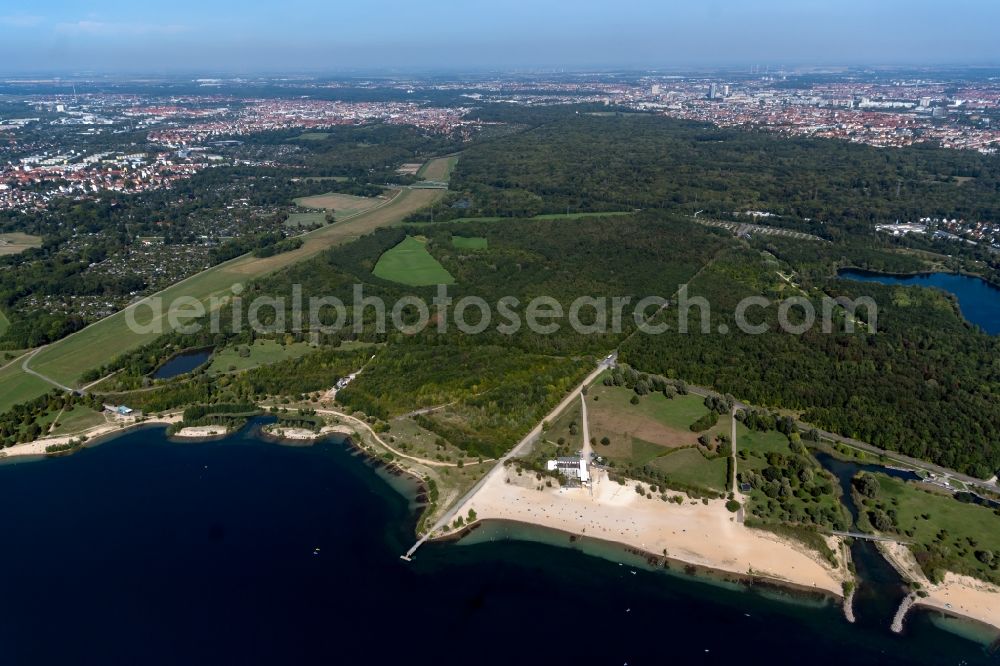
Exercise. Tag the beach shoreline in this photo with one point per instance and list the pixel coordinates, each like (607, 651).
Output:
(957, 595)
(202, 433)
(696, 533)
(95, 435)
(658, 562)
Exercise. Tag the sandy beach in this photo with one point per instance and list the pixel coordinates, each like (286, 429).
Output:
(706, 535)
(198, 432)
(37, 447)
(306, 435)
(957, 595)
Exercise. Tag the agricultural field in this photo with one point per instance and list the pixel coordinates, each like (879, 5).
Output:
(15, 243)
(411, 264)
(470, 242)
(947, 534)
(261, 352)
(342, 205)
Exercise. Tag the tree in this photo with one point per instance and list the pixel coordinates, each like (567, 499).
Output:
(867, 484)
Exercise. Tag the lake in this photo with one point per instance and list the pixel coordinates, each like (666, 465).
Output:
(145, 551)
(182, 363)
(978, 300)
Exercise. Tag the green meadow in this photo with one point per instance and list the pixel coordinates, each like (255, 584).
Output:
(470, 242)
(296, 220)
(261, 352)
(411, 264)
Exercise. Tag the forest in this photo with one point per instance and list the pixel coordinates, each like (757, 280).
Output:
(575, 162)
(925, 384)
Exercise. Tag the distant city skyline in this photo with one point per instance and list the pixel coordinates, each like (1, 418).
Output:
(304, 36)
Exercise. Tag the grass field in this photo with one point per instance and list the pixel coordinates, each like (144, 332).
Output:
(405, 435)
(922, 515)
(439, 169)
(78, 419)
(17, 386)
(343, 205)
(411, 264)
(15, 243)
(690, 468)
(754, 446)
(67, 359)
(4, 323)
(309, 219)
(655, 420)
(654, 432)
(313, 136)
(470, 242)
(262, 352)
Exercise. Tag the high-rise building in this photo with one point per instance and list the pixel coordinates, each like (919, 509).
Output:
(713, 91)
(925, 102)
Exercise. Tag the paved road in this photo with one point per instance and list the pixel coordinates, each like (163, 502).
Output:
(587, 448)
(522, 447)
(25, 368)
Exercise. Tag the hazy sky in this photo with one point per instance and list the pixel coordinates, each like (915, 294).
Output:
(300, 35)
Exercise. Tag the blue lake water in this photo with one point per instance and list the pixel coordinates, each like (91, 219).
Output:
(239, 551)
(182, 363)
(978, 300)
